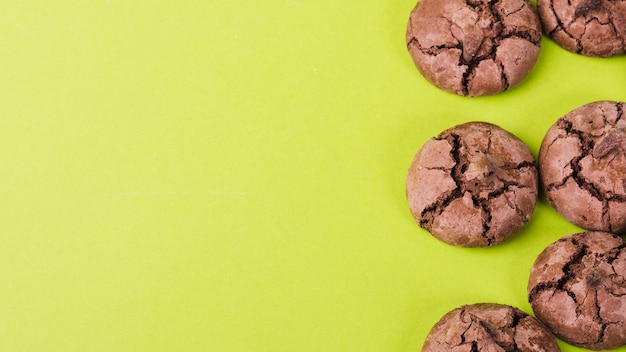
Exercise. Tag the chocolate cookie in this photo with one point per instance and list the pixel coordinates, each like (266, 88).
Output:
(489, 327)
(595, 28)
(577, 287)
(474, 47)
(475, 185)
(582, 163)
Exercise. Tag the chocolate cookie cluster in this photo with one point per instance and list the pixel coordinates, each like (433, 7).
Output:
(485, 47)
(476, 185)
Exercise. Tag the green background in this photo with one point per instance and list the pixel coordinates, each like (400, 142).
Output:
(229, 176)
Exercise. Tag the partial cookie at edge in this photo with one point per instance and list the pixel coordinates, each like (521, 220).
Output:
(582, 162)
(577, 287)
(489, 327)
(474, 48)
(595, 28)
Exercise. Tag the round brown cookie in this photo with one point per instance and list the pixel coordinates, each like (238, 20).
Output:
(595, 28)
(475, 185)
(577, 287)
(489, 327)
(582, 163)
(474, 47)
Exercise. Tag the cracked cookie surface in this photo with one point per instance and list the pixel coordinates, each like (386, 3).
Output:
(582, 162)
(489, 327)
(595, 28)
(474, 47)
(474, 185)
(577, 287)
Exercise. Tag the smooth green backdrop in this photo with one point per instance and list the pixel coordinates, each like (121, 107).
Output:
(229, 176)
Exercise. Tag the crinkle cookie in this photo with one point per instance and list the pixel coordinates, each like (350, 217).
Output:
(474, 185)
(577, 287)
(489, 327)
(474, 47)
(582, 163)
(595, 28)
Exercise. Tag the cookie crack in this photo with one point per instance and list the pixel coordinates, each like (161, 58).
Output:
(507, 347)
(522, 165)
(595, 5)
(507, 189)
(517, 317)
(556, 185)
(432, 50)
(587, 146)
(549, 286)
(474, 347)
(568, 274)
(588, 7)
(479, 323)
(614, 254)
(435, 209)
(620, 111)
(610, 258)
(582, 182)
(560, 26)
(482, 202)
(527, 34)
(609, 23)
(489, 10)
(616, 294)
(503, 77)
(513, 12)
(518, 211)
(596, 19)
(484, 205)
(603, 325)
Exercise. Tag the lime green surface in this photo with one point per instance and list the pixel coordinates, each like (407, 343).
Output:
(229, 176)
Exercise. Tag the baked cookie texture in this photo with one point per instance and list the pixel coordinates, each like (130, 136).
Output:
(577, 287)
(474, 185)
(595, 28)
(582, 163)
(474, 47)
(489, 327)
